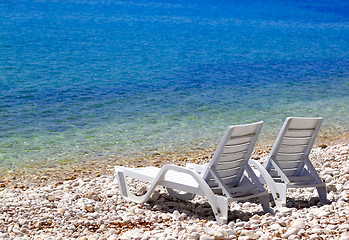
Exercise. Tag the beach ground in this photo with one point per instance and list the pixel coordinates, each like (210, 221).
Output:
(81, 200)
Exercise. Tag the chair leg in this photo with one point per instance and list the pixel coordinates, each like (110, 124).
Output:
(219, 206)
(280, 195)
(125, 192)
(264, 200)
(181, 196)
(322, 194)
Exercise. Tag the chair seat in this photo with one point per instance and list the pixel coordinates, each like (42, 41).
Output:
(304, 181)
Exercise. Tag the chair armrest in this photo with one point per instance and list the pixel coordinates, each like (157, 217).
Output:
(262, 173)
(278, 190)
(265, 178)
(280, 172)
(197, 167)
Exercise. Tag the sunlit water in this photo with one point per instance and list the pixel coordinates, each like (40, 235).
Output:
(108, 78)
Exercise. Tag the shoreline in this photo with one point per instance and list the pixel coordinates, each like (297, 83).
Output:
(62, 171)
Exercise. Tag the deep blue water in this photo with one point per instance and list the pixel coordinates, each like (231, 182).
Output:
(88, 79)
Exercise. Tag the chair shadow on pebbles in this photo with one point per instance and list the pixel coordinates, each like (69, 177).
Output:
(167, 207)
(298, 203)
(305, 203)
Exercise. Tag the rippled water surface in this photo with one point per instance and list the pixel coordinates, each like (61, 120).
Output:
(104, 78)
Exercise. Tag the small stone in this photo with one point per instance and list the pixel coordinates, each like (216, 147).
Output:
(239, 224)
(246, 204)
(111, 193)
(111, 237)
(238, 229)
(195, 235)
(138, 211)
(345, 170)
(61, 210)
(176, 215)
(285, 210)
(255, 217)
(264, 237)
(126, 220)
(316, 230)
(323, 146)
(170, 238)
(289, 232)
(275, 226)
(328, 179)
(131, 234)
(94, 196)
(67, 214)
(327, 171)
(165, 216)
(323, 214)
(294, 237)
(343, 227)
(231, 225)
(259, 233)
(90, 209)
(22, 221)
(344, 236)
(155, 196)
(331, 227)
(205, 237)
(250, 234)
(254, 225)
(4, 235)
(230, 232)
(51, 198)
(298, 224)
(192, 229)
(141, 191)
(219, 235)
(282, 224)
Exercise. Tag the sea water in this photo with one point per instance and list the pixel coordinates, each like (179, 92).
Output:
(86, 79)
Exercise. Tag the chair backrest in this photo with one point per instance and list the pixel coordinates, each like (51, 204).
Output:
(293, 145)
(233, 152)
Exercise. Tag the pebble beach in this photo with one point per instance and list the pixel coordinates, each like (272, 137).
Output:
(85, 203)
(86, 85)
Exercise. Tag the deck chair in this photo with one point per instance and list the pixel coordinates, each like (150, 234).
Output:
(288, 164)
(227, 177)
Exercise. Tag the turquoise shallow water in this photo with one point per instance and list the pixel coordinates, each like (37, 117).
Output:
(89, 79)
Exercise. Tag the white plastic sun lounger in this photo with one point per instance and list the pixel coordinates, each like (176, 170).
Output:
(227, 177)
(288, 164)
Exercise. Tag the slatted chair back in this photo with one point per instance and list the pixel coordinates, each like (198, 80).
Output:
(292, 146)
(231, 157)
